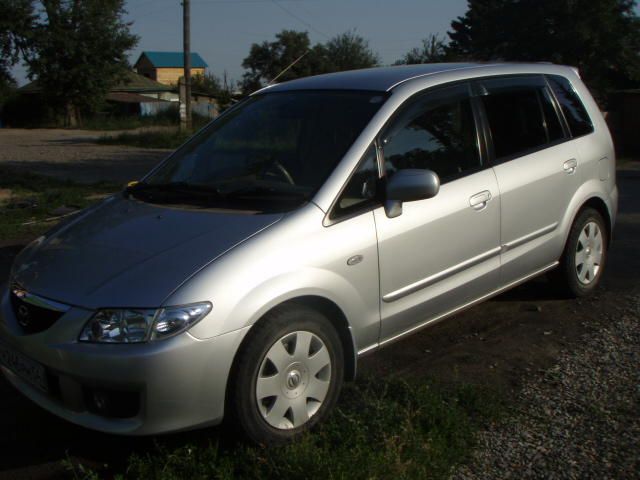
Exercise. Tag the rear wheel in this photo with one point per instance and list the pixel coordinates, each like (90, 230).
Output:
(585, 255)
(289, 374)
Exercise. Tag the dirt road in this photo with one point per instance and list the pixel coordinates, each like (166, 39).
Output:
(503, 343)
(74, 155)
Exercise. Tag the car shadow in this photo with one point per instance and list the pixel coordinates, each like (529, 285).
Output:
(32, 437)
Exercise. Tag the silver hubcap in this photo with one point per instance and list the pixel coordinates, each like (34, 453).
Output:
(293, 380)
(589, 253)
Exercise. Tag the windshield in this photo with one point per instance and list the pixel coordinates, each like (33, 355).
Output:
(272, 152)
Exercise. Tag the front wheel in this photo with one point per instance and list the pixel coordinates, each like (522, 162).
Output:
(289, 374)
(585, 255)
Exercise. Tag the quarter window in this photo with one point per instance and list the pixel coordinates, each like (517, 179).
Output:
(573, 109)
(521, 115)
(361, 188)
(436, 132)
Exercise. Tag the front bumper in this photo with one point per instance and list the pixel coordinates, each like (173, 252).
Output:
(180, 382)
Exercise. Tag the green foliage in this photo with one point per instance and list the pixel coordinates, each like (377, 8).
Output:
(210, 84)
(170, 138)
(268, 60)
(348, 51)
(292, 56)
(382, 429)
(601, 38)
(29, 208)
(433, 50)
(77, 51)
(15, 21)
(7, 87)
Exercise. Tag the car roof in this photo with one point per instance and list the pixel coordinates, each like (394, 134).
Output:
(386, 78)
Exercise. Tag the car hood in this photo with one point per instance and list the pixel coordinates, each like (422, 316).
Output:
(125, 253)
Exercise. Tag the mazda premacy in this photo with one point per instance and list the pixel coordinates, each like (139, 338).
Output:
(315, 221)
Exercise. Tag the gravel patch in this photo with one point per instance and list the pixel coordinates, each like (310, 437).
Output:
(580, 419)
(74, 155)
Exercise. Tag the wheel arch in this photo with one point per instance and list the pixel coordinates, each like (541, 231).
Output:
(333, 313)
(599, 206)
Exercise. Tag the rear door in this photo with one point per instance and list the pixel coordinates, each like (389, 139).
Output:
(536, 169)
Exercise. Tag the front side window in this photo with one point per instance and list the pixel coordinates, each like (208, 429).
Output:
(521, 115)
(272, 150)
(573, 109)
(437, 132)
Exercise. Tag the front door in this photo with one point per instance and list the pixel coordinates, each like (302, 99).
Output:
(443, 252)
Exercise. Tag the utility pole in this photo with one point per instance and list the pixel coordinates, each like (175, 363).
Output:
(185, 119)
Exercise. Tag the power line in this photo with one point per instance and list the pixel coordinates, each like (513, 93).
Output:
(245, 1)
(293, 15)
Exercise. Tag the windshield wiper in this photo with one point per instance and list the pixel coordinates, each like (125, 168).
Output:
(263, 191)
(174, 187)
(173, 192)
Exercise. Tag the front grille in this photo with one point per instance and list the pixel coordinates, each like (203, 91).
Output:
(32, 318)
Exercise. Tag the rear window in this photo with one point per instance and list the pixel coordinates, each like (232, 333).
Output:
(573, 109)
(521, 115)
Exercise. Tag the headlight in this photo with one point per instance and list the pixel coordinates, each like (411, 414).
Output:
(141, 325)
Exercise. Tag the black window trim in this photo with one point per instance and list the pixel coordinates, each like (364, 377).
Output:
(480, 141)
(483, 151)
(493, 160)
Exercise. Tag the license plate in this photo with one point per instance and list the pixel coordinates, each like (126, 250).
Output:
(23, 367)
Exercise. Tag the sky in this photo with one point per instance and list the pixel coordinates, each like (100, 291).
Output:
(222, 31)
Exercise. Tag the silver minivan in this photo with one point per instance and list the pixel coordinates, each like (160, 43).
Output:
(316, 221)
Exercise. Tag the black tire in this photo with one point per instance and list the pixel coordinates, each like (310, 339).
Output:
(566, 276)
(280, 322)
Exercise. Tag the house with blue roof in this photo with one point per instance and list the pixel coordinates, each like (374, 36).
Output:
(167, 67)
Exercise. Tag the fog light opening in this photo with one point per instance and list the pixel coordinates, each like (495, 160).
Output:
(111, 403)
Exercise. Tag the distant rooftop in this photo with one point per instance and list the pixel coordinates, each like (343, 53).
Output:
(172, 59)
(130, 82)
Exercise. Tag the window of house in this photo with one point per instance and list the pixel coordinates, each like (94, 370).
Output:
(573, 109)
(437, 132)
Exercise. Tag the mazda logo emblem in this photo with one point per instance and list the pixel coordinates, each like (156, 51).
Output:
(23, 316)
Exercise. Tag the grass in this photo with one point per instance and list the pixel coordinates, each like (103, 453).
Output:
(169, 138)
(381, 429)
(28, 202)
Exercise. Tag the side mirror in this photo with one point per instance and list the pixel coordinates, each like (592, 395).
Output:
(407, 186)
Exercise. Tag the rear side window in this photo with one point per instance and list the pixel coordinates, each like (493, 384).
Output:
(521, 115)
(573, 109)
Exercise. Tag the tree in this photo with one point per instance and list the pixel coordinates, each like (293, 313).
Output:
(433, 50)
(15, 21)
(212, 85)
(270, 60)
(77, 51)
(292, 56)
(348, 51)
(601, 38)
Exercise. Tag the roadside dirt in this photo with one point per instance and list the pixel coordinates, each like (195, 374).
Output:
(74, 155)
(502, 343)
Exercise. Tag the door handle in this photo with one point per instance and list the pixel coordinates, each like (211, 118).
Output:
(570, 166)
(480, 200)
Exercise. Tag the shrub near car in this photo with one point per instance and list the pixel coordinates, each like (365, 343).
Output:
(318, 220)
